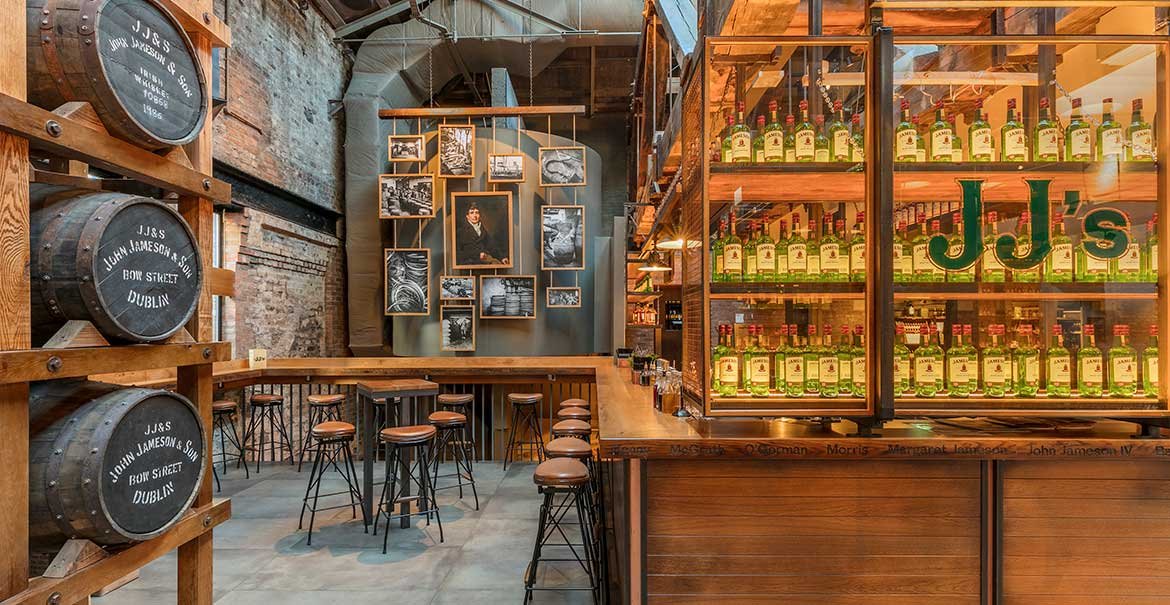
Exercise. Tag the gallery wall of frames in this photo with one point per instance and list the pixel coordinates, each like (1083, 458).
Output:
(437, 176)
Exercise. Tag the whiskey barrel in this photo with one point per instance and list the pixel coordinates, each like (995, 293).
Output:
(110, 464)
(130, 59)
(128, 264)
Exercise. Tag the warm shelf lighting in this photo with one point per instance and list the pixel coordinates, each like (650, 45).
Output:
(655, 263)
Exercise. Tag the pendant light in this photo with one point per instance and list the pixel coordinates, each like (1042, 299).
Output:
(655, 263)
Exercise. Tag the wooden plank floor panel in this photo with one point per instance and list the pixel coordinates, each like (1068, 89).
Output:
(1086, 533)
(805, 532)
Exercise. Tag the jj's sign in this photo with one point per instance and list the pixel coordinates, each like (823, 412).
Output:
(1105, 230)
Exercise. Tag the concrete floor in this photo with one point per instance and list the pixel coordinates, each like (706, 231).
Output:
(262, 559)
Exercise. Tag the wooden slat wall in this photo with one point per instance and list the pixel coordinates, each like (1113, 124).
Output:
(1086, 533)
(813, 532)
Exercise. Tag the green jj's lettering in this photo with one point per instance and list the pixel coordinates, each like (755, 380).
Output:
(1107, 233)
(972, 248)
(1041, 246)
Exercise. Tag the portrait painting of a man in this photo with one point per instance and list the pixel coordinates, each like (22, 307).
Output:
(482, 233)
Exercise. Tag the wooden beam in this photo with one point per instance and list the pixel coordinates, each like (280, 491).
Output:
(198, 18)
(481, 112)
(78, 141)
(48, 364)
(222, 282)
(199, 521)
(939, 4)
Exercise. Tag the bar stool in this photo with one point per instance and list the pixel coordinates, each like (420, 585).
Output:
(569, 478)
(331, 441)
(399, 439)
(573, 413)
(461, 403)
(574, 403)
(270, 407)
(451, 425)
(323, 407)
(525, 419)
(572, 428)
(223, 416)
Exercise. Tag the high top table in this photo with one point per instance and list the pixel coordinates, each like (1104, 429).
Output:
(369, 391)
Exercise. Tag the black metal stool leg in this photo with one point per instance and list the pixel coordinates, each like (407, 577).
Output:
(313, 476)
(464, 455)
(237, 443)
(511, 436)
(307, 442)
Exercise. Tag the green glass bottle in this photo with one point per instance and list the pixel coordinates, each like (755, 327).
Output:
(732, 254)
(838, 135)
(1058, 265)
(991, 269)
(797, 247)
(1150, 254)
(750, 261)
(759, 363)
(1141, 136)
(942, 136)
(773, 135)
(1023, 248)
(956, 141)
(1045, 136)
(973, 353)
(1090, 268)
(959, 365)
(717, 253)
(925, 270)
(1013, 139)
(901, 362)
(954, 247)
(1059, 382)
(782, 254)
(1150, 376)
(790, 139)
(1123, 364)
(765, 256)
(1027, 382)
(903, 256)
(857, 141)
(725, 154)
(845, 362)
(1110, 138)
(928, 364)
(741, 138)
(1078, 136)
(814, 253)
(805, 136)
(829, 366)
(859, 372)
(905, 137)
(758, 141)
(779, 363)
(920, 128)
(1128, 266)
(821, 151)
(812, 362)
(794, 365)
(834, 264)
(1090, 374)
(996, 365)
(979, 140)
(725, 360)
(857, 250)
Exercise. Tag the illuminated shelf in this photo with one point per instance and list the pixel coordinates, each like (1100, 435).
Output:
(744, 398)
(820, 290)
(1075, 291)
(642, 296)
(631, 325)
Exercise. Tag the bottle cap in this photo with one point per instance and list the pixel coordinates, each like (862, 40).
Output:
(899, 329)
(1025, 216)
(1153, 329)
(966, 329)
(1058, 217)
(901, 224)
(1076, 103)
(803, 104)
(1026, 329)
(783, 330)
(837, 105)
(820, 120)
(773, 105)
(992, 216)
(979, 104)
(934, 225)
(1107, 100)
(783, 223)
(956, 217)
(1056, 331)
(845, 330)
(730, 120)
(856, 118)
(840, 223)
(1088, 329)
(739, 105)
(957, 330)
(861, 216)
(828, 329)
(790, 119)
(859, 330)
(922, 217)
(760, 120)
(924, 329)
(905, 104)
(1043, 102)
(1011, 104)
(812, 329)
(1137, 104)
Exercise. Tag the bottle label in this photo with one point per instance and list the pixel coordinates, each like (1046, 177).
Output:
(1131, 260)
(822, 155)
(1141, 143)
(920, 155)
(1062, 258)
(812, 371)
(774, 147)
(1111, 142)
(732, 258)
(741, 147)
(729, 369)
(1091, 370)
(760, 369)
(1013, 143)
(814, 264)
(749, 265)
(804, 145)
(766, 258)
(927, 369)
(719, 265)
(1153, 261)
(857, 258)
(990, 260)
(906, 144)
(797, 258)
(1094, 264)
(981, 142)
(1059, 370)
(857, 152)
(794, 368)
(940, 144)
(845, 366)
(829, 370)
(1079, 143)
(960, 369)
(901, 369)
(782, 263)
(1046, 142)
(1152, 370)
(831, 258)
(1124, 369)
(922, 260)
(957, 154)
(789, 154)
(1032, 370)
(995, 369)
(841, 145)
(859, 370)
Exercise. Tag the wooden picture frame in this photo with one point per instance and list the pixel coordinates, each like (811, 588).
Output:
(575, 175)
(390, 204)
(493, 303)
(417, 141)
(445, 314)
(449, 137)
(548, 299)
(467, 255)
(403, 282)
(443, 290)
(552, 256)
(494, 177)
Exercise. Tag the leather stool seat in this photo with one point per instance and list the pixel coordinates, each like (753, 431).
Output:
(454, 399)
(447, 419)
(264, 399)
(573, 414)
(561, 472)
(524, 398)
(568, 447)
(575, 403)
(224, 405)
(408, 435)
(325, 399)
(334, 430)
(572, 427)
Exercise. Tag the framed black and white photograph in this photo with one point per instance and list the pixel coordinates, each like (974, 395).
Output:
(456, 287)
(481, 230)
(562, 238)
(456, 151)
(457, 328)
(506, 168)
(562, 166)
(562, 297)
(407, 148)
(406, 196)
(507, 297)
(408, 281)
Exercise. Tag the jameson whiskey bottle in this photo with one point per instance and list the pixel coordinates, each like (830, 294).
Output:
(859, 376)
(778, 360)
(750, 261)
(759, 363)
(901, 362)
(773, 135)
(845, 362)
(1078, 136)
(1110, 139)
(1123, 364)
(758, 142)
(1027, 382)
(924, 268)
(1059, 366)
(1128, 266)
(954, 247)
(928, 364)
(1058, 266)
(794, 366)
(797, 254)
(905, 137)
(993, 270)
(1046, 137)
(812, 365)
(834, 264)
(903, 256)
(1150, 256)
(741, 137)
(838, 135)
(959, 365)
(996, 365)
(725, 148)
(732, 254)
(1150, 364)
(1023, 247)
(805, 135)
(941, 137)
(765, 257)
(814, 253)
(857, 250)
(1090, 374)
(956, 142)
(821, 142)
(1090, 268)
(725, 360)
(829, 366)
(857, 141)
(979, 137)
(1141, 136)
(920, 143)
(782, 254)
(717, 253)
(790, 139)
(1013, 139)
